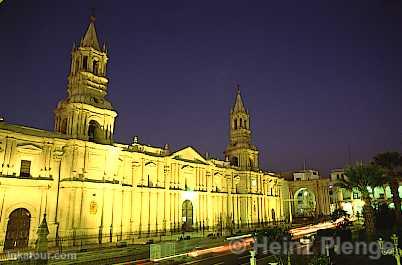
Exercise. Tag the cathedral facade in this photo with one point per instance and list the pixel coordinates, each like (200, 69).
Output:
(90, 187)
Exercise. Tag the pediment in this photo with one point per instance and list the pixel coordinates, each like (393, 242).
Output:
(187, 167)
(29, 147)
(189, 154)
(218, 174)
(150, 164)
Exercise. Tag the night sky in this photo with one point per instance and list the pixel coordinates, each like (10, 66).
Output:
(316, 76)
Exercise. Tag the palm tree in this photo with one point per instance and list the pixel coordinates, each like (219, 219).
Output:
(391, 164)
(360, 177)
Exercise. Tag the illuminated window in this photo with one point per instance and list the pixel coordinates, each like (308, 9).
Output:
(25, 169)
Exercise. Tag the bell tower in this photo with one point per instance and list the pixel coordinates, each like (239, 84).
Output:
(86, 113)
(240, 151)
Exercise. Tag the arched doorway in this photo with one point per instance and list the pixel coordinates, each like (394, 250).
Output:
(305, 203)
(187, 215)
(17, 235)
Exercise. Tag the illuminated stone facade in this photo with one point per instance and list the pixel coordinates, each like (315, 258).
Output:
(91, 187)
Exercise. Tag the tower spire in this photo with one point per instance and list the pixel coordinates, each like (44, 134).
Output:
(239, 105)
(90, 38)
(86, 113)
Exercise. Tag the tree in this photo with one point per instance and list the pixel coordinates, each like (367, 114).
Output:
(391, 164)
(339, 213)
(362, 177)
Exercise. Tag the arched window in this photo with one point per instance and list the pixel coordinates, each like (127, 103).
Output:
(245, 124)
(234, 161)
(63, 127)
(235, 124)
(241, 123)
(95, 67)
(94, 131)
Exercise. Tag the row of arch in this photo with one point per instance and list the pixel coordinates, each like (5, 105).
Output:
(94, 132)
(94, 67)
(240, 123)
(234, 161)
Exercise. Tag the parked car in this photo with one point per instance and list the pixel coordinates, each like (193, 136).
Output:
(308, 239)
(149, 241)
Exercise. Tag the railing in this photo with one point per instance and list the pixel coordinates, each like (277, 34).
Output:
(81, 241)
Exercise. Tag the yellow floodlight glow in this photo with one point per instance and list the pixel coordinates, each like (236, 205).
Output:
(188, 195)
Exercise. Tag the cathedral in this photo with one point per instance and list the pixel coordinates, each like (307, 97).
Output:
(92, 189)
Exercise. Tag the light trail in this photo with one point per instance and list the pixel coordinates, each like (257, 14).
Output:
(245, 241)
(301, 231)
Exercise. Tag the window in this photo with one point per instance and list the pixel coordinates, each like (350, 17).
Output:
(245, 124)
(234, 161)
(150, 184)
(241, 123)
(95, 67)
(85, 63)
(235, 124)
(94, 131)
(63, 128)
(77, 65)
(25, 169)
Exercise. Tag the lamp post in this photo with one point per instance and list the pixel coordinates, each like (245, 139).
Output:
(253, 260)
(395, 251)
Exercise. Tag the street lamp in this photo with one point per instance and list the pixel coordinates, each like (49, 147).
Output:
(395, 251)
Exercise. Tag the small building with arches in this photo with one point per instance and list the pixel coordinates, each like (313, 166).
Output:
(308, 193)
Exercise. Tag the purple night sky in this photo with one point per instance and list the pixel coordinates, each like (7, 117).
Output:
(315, 75)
